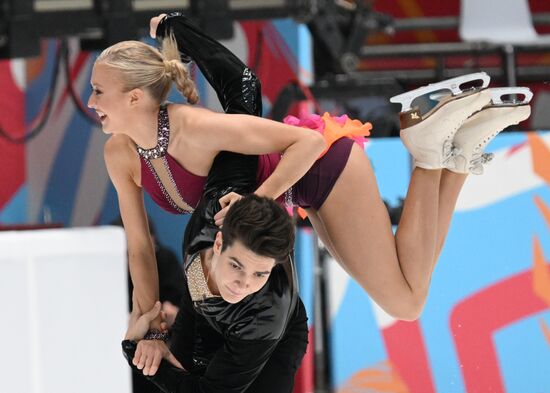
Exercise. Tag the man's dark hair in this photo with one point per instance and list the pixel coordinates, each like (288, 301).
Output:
(261, 225)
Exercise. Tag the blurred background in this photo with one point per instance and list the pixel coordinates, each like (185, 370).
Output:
(486, 326)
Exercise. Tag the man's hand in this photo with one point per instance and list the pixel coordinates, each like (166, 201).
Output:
(149, 354)
(153, 25)
(226, 202)
(139, 324)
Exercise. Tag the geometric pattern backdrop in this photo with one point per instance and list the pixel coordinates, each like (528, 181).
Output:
(486, 324)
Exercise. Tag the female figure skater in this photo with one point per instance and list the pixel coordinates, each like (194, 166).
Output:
(130, 81)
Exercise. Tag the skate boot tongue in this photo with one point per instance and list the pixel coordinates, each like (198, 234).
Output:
(450, 155)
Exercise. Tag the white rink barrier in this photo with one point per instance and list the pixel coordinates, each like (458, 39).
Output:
(64, 307)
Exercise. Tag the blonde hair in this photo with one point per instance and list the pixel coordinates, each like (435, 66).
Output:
(144, 67)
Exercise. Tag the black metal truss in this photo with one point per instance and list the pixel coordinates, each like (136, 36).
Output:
(102, 22)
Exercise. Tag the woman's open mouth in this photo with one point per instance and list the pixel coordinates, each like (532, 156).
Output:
(102, 116)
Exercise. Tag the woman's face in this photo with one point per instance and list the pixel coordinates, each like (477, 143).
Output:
(238, 271)
(108, 98)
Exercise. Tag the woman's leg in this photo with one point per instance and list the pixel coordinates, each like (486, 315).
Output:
(394, 270)
(237, 87)
(322, 232)
(451, 184)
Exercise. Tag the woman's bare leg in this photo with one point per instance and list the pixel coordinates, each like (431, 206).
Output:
(416, 235)
(322, 233)
(395, 271)
(449, 190)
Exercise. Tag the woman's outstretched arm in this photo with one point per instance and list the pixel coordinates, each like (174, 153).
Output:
(123, 167)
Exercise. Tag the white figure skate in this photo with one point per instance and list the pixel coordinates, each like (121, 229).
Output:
(476, 133)
(429, 137)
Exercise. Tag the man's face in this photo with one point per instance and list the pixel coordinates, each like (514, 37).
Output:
(237, 271)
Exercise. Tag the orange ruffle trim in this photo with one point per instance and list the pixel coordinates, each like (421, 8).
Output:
(333, 127)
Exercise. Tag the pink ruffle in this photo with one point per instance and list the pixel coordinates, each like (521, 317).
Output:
(333, 127)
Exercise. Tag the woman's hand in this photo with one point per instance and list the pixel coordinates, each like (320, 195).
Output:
(226, 202)
(149, 354)
(153, 25)
(139, 323)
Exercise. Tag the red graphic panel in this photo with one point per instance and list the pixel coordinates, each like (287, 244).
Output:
(12, 159)
(407, 353)
(473, 327)
(271, 59)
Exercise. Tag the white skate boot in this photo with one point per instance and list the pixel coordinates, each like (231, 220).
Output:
(429, 137)
(476, 133)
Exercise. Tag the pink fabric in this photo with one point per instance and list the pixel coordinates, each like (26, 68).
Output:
(190, 186)
(266, 166)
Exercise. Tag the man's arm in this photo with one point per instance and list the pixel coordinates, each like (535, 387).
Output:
(232, 370)
(182, 332)
(147, 355)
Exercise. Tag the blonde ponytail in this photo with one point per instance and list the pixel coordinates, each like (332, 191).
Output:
(178, 71)
(144, 67)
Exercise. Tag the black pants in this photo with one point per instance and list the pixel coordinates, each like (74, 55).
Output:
(278, 374)
(237, 87)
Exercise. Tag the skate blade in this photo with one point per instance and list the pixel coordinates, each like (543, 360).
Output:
(453, 84)
(414, 116)
(510, 95)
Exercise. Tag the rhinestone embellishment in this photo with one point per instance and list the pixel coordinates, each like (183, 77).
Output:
(175, 186)
(198, 287)
(162, 137)
(288, 196)
(164, 191)
(249, 89)
(160, 151)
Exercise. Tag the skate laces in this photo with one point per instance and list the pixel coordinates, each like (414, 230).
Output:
(450, 151)
(478, 160)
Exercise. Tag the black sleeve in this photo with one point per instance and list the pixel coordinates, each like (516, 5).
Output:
(170, 275)
(183, 331)
(237, 87)
(168, 378)
(236, 365)
(232, 370)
